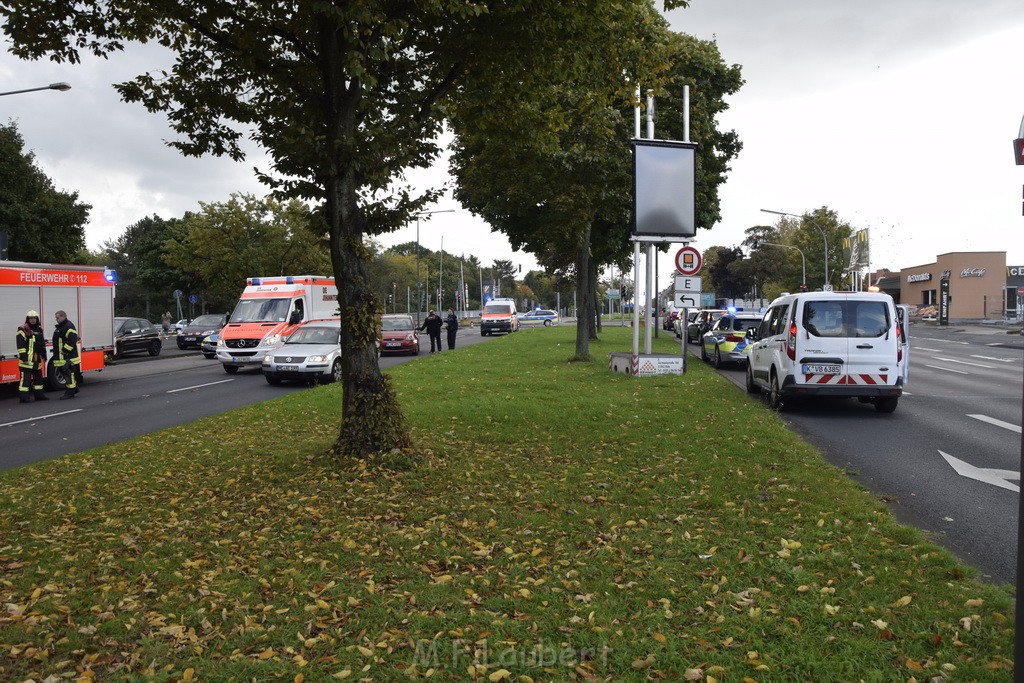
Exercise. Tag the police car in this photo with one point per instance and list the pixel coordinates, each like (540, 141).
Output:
(540, 316)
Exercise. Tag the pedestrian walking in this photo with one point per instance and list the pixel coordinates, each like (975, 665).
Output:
(452, 325)
(65, 353)
(432, 324)
(165, 322)
(31, 357)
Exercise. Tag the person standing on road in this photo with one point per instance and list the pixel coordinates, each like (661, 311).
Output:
(432, 324)
(65, 353)
(165, 322)
(31, 356)
(452, 325)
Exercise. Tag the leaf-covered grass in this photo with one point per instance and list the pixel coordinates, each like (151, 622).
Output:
(560, 522)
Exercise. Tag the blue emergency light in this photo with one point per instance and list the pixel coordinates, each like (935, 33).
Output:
(255, 281)
(110, 275)
(289, 280)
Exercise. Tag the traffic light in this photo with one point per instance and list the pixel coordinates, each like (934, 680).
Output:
(755, 242)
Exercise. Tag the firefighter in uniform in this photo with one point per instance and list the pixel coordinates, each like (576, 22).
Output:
(31, 356)
(65, 353)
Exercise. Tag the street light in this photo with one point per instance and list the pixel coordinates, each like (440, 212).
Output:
(811, 221)
(419, 298)
(53, 86)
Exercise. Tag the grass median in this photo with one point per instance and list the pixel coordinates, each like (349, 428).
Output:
(563, 523)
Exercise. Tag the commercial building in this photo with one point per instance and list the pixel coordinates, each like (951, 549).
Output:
(981, 286)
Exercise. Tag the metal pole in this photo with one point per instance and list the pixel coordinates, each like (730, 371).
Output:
(63, 87)
(686, 113)
(650, 298)
(636, 299)
(418, 279)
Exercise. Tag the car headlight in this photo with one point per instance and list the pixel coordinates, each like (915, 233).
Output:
(268, 358)
(221, 344)
(207, 333)
(409, 337)
(271, 340)
(318, 359)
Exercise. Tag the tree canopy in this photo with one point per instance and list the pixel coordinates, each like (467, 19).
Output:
(43, 224)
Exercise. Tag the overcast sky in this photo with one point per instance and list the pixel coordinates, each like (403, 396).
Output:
(897, 114)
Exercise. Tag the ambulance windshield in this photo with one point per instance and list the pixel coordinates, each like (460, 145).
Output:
(261, 310)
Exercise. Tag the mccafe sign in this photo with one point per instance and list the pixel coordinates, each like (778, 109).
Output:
(919, 277)
(972, 272)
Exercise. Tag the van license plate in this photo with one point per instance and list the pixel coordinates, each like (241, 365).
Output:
(822, 369)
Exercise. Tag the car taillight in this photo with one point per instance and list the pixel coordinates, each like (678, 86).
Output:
(899, 343)
(791, 342)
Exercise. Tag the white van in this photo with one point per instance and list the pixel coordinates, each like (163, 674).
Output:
(831, 344)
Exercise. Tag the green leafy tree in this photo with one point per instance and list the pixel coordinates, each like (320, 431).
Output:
(345, 96)
(724, 281)
(145, 281)
(221, 245)
(564, 193)
(42, 223)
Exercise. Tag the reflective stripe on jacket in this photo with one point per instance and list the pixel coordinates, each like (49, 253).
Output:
(65, 344)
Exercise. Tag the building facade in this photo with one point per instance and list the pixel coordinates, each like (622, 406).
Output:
(978, 285)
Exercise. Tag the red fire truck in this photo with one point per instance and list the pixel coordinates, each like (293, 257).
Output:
(85, 293)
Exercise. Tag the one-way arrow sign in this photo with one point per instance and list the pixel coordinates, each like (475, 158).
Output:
(989, 476)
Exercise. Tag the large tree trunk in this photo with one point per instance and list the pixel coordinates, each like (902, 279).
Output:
(584, 298)
(371, 419)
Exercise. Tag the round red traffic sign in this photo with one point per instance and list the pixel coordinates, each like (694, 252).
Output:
(688, 261)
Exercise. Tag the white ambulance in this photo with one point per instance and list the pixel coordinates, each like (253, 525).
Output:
(847, 344)
(269, 309)
(85, 293)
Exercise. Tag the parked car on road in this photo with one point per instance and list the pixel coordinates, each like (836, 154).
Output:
(701, 323)
(311, 353)
(845, 344)
(192, 335)
(132, 335)
(727, 341)
(399, 334)
(209, 346)
(542, 316)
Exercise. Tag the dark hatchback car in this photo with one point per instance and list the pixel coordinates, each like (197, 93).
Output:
(132, 335)
(193, 334)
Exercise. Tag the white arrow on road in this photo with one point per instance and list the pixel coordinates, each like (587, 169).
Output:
(989, 476)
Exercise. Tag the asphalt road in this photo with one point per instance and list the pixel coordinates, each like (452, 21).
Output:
(963, 400)
(139, 395)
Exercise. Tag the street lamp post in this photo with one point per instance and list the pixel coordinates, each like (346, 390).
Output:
(811, 221)
(419, 297)
(53, 86)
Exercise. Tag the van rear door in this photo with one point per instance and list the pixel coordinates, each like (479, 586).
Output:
(873, 340)
(822, 344)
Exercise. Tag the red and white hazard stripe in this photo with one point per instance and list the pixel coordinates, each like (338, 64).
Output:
(859, 379)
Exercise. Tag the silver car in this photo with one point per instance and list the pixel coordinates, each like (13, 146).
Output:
(312, 353)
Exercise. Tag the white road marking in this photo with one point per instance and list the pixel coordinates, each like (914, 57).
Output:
(199, 386)
(998, 423)
(937, 367)
(921, 348)
(963, 362)
(41, 417)
(1001, 360)
(994, 477)
(944, 341)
